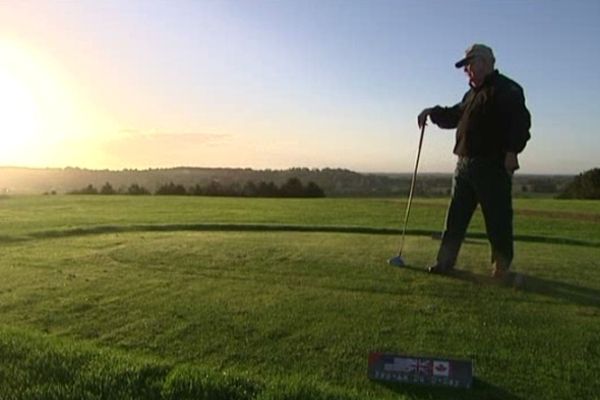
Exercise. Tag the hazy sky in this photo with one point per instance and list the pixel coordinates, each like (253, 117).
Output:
(277, 84)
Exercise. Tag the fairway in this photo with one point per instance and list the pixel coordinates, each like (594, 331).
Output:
(124, 297)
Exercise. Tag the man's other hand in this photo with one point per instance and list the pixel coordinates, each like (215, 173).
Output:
(511, 163)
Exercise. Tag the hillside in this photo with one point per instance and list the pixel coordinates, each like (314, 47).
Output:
(335, 182)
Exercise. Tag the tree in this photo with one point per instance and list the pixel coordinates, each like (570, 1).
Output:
(250, 189)
(267, 189)
(136, 189)
(234, 189)
(89, 189)
(214, 188)
(313, 190)
(107, 189)
(171, 189)
(292, 188)
(585, 186)
(196, 190)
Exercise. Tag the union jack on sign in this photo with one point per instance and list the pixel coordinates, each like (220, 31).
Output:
(423, 367)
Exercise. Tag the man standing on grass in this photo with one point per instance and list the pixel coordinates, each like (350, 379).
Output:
(492, 127)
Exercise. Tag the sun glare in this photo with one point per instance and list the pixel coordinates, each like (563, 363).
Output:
(19, 124)
(41, 111)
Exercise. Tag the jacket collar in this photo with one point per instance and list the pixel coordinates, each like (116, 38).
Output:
(491, 77)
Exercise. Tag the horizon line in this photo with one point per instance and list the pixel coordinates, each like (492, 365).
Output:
(315, 169)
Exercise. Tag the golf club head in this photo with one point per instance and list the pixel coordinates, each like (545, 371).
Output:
(396, 261)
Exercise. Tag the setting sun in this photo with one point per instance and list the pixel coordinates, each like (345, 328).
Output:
(19, 125)
(43, 113)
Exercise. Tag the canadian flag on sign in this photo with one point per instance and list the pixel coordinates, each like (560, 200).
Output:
(441, 368)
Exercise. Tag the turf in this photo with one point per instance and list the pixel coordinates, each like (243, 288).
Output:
(573, 219)
(281, 314)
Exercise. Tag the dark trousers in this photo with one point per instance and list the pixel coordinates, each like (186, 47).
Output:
(485, 182)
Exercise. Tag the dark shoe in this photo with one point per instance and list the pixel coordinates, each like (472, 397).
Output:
(500, 268)
(440, 269)
(501, 274)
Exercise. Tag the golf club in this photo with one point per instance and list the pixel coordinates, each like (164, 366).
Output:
(397, 261)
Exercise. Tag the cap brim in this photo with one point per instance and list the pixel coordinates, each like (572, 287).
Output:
(463, 62)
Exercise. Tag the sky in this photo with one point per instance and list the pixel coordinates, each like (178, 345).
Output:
(281, 84)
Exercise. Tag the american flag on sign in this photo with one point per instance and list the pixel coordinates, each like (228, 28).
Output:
(405, 365)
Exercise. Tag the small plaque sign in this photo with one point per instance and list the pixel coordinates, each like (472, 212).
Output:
(420, 370)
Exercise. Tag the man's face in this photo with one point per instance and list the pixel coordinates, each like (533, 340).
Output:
(476, 70)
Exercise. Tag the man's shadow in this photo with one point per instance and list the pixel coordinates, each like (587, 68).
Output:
(562, 291)
(580, 295)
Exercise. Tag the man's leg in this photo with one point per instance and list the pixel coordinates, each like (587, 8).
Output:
(494, 191)
(459, 215)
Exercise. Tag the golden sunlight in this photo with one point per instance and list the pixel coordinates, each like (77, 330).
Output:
(41, 111)
(18, 106)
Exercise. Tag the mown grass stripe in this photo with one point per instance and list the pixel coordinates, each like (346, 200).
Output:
(220, 227)
(47, 367)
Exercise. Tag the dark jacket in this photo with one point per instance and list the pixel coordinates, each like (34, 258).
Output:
(490, 121)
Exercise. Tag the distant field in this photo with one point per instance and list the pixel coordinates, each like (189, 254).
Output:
(192, 297)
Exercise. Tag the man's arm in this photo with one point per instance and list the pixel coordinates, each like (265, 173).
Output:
(516, 120)
(444, 117)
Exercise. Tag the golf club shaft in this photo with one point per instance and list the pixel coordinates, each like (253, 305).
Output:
(412, 189)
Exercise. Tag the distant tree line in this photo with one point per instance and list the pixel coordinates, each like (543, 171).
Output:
(293, 187)
(584, 186)
(334, 182)
(108, 189)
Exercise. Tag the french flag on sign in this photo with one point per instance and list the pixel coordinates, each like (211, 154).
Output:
(441, 368)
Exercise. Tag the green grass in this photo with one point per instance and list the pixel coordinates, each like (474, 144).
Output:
(283, 314)
(568, 218)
